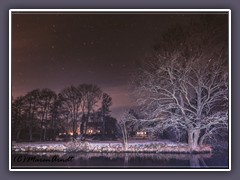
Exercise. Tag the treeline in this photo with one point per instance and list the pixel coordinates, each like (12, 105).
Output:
(42, 114)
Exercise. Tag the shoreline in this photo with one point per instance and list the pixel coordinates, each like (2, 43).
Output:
(110, 147)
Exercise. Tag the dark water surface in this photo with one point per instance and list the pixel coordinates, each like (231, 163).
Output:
(119, 160)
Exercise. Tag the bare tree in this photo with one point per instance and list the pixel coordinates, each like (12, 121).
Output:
(106, 103)
(183, 85)
(46, 101)
(122, 126)
(71, 101)
(60, 117)
(31, 100)
(90, 96)
(18, 117)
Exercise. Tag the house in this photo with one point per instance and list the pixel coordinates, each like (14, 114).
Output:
(141, 134)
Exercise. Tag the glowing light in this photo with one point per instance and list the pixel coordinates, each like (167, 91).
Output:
(90, 131)
(141, 133)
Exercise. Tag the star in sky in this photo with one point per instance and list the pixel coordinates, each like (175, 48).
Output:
(57, 50)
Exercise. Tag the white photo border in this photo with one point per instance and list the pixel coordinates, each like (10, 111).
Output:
(52, 11)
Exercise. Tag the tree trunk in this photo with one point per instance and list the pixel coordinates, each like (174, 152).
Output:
(125, 137)
(193, 138)
(103, 126)
(40, 138)
(82, 126)
(201, 140)
(86, 123)
(41, 130)
(30, 134)
(74, 128)
(103, 129)
(196, 138)
(190, 138)
(18, 135)
(44, 135)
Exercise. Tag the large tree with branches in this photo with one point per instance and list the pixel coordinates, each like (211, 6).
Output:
(184, 84)
(71, 101)
(91, 95)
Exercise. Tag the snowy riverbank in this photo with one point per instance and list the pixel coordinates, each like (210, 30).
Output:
(108, 146)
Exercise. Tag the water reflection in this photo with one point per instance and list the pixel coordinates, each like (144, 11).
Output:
(125, 160)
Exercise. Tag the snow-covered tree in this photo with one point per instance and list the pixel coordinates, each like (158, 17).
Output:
(184, 83)
(122, 127)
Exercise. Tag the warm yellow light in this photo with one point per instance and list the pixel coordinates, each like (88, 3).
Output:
(90, 131)
(141, 133)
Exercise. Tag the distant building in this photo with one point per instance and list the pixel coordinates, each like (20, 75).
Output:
(94, 128)
(142, 134)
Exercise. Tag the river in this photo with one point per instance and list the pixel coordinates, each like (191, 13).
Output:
(119, 160)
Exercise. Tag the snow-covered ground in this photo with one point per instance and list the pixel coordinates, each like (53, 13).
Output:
(103, 143)
(163, 146)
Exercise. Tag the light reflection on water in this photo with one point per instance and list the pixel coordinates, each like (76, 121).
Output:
(125, 160)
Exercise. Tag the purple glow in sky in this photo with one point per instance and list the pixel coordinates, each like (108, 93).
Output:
(57, 50)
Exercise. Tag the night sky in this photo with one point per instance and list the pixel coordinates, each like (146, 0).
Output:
(57, 50)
